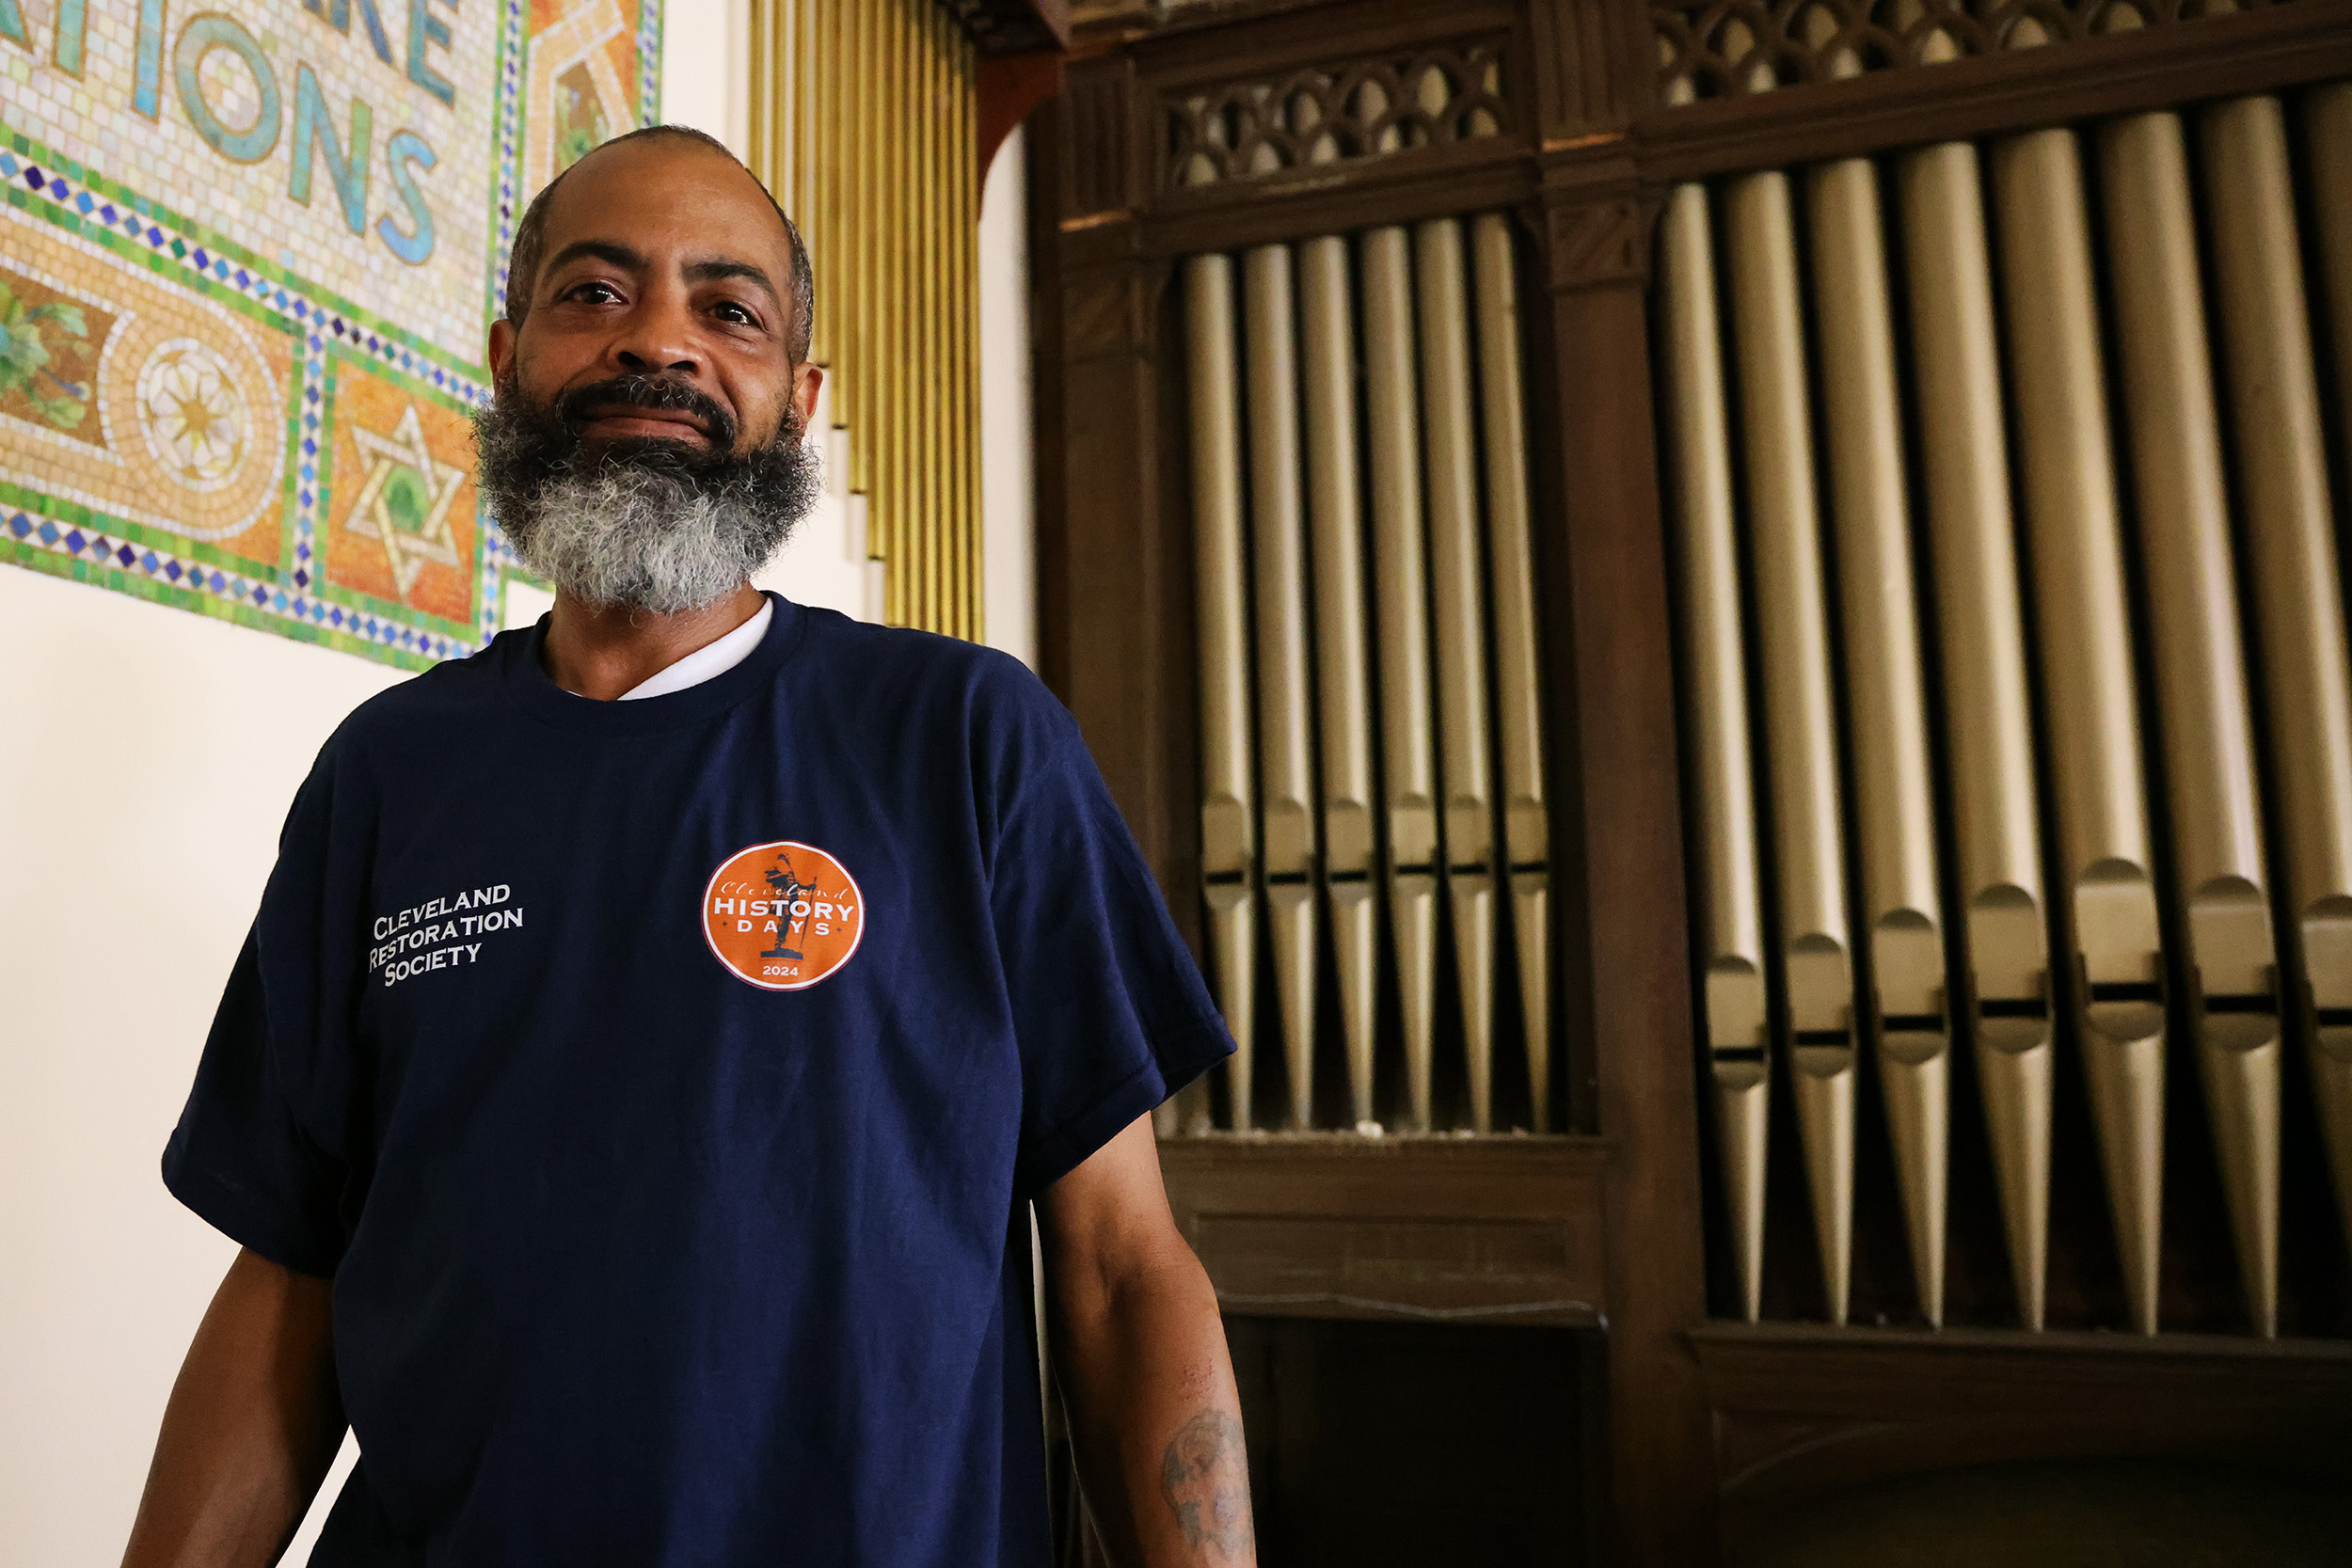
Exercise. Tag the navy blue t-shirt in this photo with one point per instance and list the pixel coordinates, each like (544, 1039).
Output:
(660, 1081)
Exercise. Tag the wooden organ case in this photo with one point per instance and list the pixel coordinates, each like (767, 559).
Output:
(1637, 570)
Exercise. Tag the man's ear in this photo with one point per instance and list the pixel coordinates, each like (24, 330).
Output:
(501, 347)
(806, 379)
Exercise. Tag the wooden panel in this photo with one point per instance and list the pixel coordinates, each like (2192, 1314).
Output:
(1437, 1229)
(1803, 1408)
(1380, 1444)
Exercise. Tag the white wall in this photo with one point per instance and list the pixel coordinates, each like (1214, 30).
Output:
(1008, 493)
(147, 759)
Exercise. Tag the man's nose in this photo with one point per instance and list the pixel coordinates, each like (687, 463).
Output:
(656, 339)
(653, 360)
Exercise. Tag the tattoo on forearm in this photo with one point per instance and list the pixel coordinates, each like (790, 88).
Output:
(1205, 1476)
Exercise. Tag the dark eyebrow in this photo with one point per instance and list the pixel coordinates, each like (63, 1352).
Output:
(613, 251)
(720, 269)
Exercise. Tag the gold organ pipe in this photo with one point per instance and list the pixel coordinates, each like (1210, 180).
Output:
(832, 192)
(1401, 615)
(2291, 527)
(1342, 650)
(1455, 578)
(2327, 120)
(768, 70)
(1729, 915)
(901, 198)
(860, 204)
(1526, 829)
(964, 435)
(2106, 907)
(1285, 757)
(2201, 675)
(1802, 747)
(1984, 664)
(1229, 804)
(935, 338)
(1885, 690)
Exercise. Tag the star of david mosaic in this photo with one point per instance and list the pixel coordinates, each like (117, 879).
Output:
(406, 499)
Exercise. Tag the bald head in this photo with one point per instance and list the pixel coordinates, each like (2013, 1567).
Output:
(601, 182)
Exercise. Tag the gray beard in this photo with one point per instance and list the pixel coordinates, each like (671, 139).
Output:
(619, 535)
(639, 525)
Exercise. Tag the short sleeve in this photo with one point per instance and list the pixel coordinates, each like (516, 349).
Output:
(238, 1157)
(260, 1152)
(1110, 1009)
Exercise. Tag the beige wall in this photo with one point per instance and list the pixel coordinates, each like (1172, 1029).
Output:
(147, 759)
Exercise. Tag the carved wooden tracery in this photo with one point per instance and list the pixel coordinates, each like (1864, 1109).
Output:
(1730, 48)
(1332, 113)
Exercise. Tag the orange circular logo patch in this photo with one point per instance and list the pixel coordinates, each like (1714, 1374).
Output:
(783, 915)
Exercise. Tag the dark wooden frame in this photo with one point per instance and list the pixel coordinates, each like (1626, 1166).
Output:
(1690, 1405)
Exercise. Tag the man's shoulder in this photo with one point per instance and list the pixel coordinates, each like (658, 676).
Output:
(990, 687)
(448, 693)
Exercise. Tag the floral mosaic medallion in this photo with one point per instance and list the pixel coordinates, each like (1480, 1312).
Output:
(248, 259)
(192, 414)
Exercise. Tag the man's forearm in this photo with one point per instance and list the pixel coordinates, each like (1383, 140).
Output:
(251, 1428)
(1151, 1400)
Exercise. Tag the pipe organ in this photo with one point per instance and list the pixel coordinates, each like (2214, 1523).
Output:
(2128, 542)
(1725, 622)
(1358, 446)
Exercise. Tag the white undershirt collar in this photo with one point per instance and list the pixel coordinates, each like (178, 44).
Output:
(709, 660)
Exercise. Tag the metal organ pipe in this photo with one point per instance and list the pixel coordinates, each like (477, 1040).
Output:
(1984, 664)
(1467, 828)
(1727, 903)
(1526, 830)
(2107, 903)
(2290, 525)
(1885, 693)
(1335, 505)
(2208, 750)
(1801, 745)
(1285, 748)
(1229, 806)
(2327, 121)
(1401, 615)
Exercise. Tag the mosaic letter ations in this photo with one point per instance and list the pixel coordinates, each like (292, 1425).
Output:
(247, 260)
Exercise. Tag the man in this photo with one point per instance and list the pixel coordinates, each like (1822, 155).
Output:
(655, 1023)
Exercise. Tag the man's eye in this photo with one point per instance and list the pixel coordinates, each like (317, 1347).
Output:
(595, 293)
(729, 310)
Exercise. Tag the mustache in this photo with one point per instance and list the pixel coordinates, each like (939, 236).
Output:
(648, 391)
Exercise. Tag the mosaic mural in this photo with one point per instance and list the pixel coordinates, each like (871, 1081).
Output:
(247, 260)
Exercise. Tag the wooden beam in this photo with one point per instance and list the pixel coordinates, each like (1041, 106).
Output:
(1014, 26)
(1615, 771)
